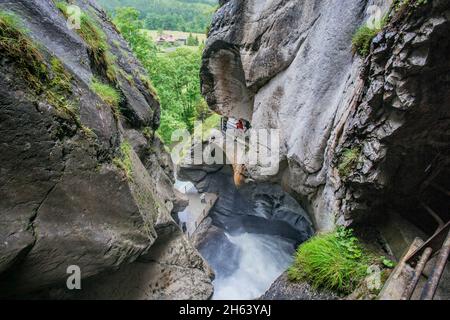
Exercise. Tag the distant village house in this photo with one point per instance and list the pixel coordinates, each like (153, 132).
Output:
(170, 39)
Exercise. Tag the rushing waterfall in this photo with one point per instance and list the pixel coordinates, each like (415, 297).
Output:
(261, 260)
(252, 234)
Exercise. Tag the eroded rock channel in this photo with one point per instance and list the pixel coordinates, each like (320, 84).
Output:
(250, 233)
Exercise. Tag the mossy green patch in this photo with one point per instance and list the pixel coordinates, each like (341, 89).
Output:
(61, 79)
(123, 161)
(348, 161)
(362, 39)
(17, 46)
(49, 81)
(59, 90)
(148, 133)
(149, 86)
(108, 94)
(128, 77)
(95, 39)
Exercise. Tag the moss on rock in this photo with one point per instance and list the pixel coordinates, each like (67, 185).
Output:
(123, 161)
(95, 39)
(49, 81)
(108, 94)
(17, 46)
(348, 161)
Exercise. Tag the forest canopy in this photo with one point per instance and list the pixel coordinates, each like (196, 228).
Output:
(177, 15)
(174, 74)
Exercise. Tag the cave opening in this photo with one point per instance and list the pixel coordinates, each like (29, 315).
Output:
(432, 203)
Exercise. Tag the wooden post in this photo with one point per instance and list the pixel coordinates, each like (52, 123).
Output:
(433, 282)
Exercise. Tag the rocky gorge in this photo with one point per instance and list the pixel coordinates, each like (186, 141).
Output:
(255, 229)
(364, 140)
(85, 181)
(292, 68)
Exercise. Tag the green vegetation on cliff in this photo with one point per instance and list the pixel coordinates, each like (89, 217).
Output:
(364, 36)
(337, 261)
(48, 80)
(95, 39)
(333, 261)
(362, 39)
(123, 160)
(108, 94)
(348, 161)
(16, 45)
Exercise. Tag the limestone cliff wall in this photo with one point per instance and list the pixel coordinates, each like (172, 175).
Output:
(289, 65)
(82, 182)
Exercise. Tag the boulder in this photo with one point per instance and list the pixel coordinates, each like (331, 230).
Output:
(283, 289)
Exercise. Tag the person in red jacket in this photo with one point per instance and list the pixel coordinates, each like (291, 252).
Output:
(240, 125)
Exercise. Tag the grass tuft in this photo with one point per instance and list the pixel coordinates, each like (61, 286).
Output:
(333, 261)
(149, 86)
(123, 161)
(108, 94)
(50, 81)
(16, 45)
(362, 40)
(58, 92)
(364, 36)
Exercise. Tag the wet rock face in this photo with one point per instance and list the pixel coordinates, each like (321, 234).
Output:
(401, 124)
(283, 289)
(171, 270)
(64, 197)
(261, 208)
(330, 105)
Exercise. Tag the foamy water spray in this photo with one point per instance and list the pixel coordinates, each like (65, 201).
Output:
(263, 258)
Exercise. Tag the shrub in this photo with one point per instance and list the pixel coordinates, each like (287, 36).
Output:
(333, 261)
(108, 94)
